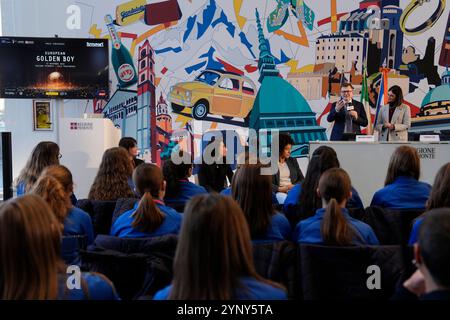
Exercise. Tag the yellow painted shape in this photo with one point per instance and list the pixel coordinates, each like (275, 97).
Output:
(96, 32)
(237, 4)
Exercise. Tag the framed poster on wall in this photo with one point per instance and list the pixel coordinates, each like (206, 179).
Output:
(42, 115)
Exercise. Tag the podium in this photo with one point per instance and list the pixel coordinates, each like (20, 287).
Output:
(82, 143)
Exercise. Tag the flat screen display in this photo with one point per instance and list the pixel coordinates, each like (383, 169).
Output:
(62, 68)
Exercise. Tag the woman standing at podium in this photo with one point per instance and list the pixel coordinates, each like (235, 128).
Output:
(394, 119)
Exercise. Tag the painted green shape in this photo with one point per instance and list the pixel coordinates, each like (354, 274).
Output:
(308, 16)
(279, 16)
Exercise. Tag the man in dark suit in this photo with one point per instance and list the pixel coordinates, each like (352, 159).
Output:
(348, 115)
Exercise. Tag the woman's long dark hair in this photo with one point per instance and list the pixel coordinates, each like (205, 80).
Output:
(440, 193)
(253, 192)
(404, 162)
(214, 250)
(398, 95)
(322, 159)
(335, 187)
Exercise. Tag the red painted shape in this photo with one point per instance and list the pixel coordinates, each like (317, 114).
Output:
(230, 68)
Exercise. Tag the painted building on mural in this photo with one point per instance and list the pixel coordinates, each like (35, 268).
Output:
(163, 127)
(122, 110)
(146, 101)
(280, 106)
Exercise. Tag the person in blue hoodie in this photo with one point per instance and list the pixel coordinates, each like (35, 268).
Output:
(214, 258)
(439, 198)
(31, 259)
(179, 189)
(302, 200)
(150, 217)
(402, 188)
(332, 225)
(252, 190)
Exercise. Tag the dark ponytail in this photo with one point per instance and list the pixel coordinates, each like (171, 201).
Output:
(148, 180)
(335, 187)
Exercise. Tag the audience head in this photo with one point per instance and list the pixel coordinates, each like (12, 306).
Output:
(404, 162)
(335, 189)
(285, 145)
(439, 196)
(432, 252)
(62, 174)
(173, 173)
(111, 181)
(253, 192)
(395, 96)
(45, 153)
(30, 241)
(129, 144)
(214, 250)
(322, 159)
(53, 192)
(150, 184)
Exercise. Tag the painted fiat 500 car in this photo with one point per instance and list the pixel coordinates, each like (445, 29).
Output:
(215, 92)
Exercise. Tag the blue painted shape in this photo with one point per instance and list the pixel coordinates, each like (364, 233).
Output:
(176, 50)
(246, 43)
(224, 19)
(208, 15)
(189, 27)
(283, 58)
(195, 67)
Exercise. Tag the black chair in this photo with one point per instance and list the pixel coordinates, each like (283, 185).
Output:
(101, 213)
(341, 273)
(357, 213)
(71, 247)
(122, 206)
(128, 272)
(392, 227)
(159, 253)
(277, 261)
(179, 207)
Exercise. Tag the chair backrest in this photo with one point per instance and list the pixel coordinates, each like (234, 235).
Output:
(277, 261)
(179, 207)
(128, 272)
(70, 248)
(343, 273)
(391, 226)
(122, 206)
(159, 253)
(101, 213)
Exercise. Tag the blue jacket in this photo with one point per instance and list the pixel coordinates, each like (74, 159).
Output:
(187, 191)
(403, 193)
(227, 192)
(21, 191)
(79, 222)
(253, 290)
(308, 230)
(98, 287)
(414, 237)
(339, 120)
(279, 230)
(291, 203)
(123, 228)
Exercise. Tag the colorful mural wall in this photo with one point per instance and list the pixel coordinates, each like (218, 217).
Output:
(201, 65)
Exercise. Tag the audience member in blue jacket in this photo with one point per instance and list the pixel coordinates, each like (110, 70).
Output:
(227, 192)
(431, 281)
(402, 188)
(55, 186)
(29, 227)
(302, 201)
(439, 198)
(44, 154)
(214, 258)
(332, 225)
(179, 189)
(252, 191)
(149, 217)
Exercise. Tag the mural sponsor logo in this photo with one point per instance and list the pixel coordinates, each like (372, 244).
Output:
(81, 126)
(94, 44)
(126, 72)
(130, 12)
